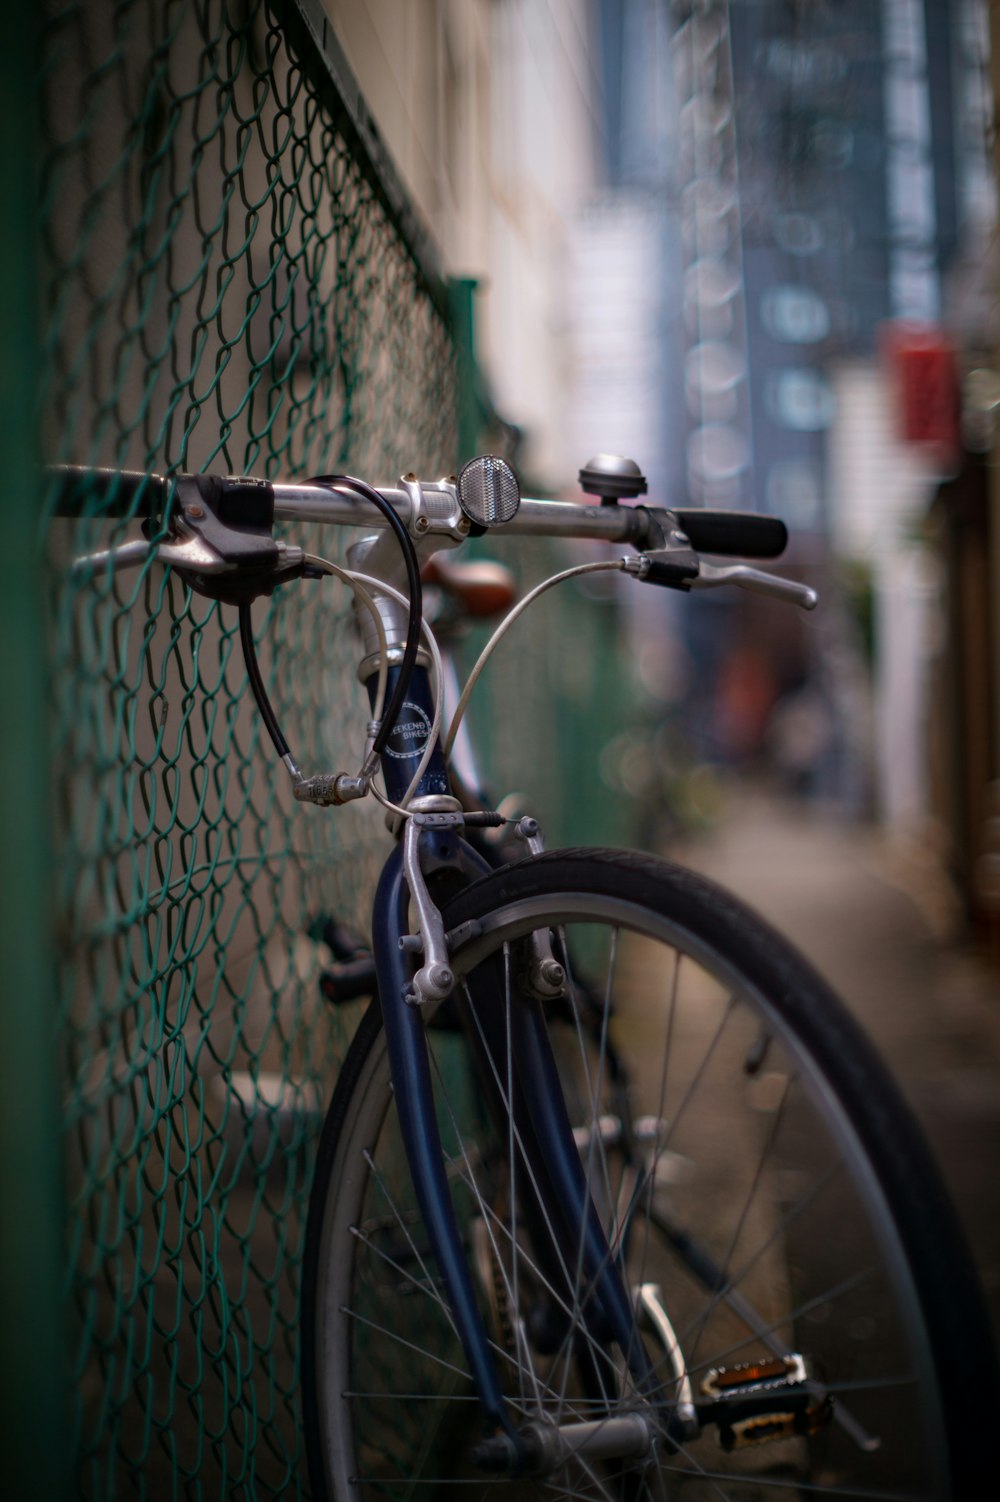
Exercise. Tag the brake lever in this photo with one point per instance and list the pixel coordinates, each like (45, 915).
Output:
(713, 576)
(677, 567)
(221, 541)
(190, 553)
(193, 559)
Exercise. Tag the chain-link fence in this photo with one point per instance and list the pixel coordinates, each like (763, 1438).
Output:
(231, 279)
(226, 285)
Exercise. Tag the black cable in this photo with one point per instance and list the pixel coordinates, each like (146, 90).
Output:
(257, 682)
(367, 492)
(391, 713)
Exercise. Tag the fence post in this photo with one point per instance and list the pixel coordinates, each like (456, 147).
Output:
(33, 1366)
(461, 293)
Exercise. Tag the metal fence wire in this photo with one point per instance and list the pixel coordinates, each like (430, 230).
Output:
(232, 280)
(228, 285)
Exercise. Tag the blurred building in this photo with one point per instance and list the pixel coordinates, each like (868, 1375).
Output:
(879, 310)
(492, 114)
(964, 518)
(691, 227)
(862, 192)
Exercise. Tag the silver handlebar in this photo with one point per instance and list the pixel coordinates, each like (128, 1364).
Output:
(431, 512)
(433, 508)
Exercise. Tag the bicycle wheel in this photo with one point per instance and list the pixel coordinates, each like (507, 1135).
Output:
(792, 1256)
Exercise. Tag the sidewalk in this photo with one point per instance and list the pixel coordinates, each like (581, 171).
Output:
(876, 925)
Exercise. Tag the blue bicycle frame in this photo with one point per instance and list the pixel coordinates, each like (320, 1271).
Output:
(516, 1058)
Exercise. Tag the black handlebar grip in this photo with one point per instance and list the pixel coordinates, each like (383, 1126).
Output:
(738, 534)
(105, 492)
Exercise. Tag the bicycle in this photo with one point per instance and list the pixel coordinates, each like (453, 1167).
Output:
(612, 1196)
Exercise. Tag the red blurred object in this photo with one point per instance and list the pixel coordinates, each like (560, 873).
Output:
(924, 370)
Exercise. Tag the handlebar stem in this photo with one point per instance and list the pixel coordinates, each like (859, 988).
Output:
(378, 557)
(425, 507)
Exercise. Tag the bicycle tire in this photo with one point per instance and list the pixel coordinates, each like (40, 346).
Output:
(841, 1244)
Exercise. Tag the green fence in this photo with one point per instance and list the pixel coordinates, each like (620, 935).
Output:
(230, 278)
(229, 282)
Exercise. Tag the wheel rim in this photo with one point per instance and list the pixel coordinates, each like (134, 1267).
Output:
(806, 1243)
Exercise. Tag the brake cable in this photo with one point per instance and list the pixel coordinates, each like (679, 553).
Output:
(367, 492)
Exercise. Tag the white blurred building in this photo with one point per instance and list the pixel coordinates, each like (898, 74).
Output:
(880, 490)
(492, 114)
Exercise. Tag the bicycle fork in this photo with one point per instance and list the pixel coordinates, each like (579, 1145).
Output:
(555, 1178)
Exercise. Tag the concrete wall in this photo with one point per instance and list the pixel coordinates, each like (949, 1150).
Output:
(491, 113)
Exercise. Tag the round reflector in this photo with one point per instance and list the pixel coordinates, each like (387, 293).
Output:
(488, 491)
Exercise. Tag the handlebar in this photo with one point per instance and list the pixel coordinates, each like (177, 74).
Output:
(218, 533)
(127, 492)
(542, 518)
(220, 529)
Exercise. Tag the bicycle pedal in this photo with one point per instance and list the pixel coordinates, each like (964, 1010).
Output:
(757, 1402)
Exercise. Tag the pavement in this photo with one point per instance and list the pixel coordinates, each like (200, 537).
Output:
(878, 919)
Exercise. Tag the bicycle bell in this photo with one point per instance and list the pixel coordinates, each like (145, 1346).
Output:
(488, 491)
(613, 478)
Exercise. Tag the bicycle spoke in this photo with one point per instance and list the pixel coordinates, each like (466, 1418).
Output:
(741, 1222)
(661, 1101)
(692, 1087)
(421, 1285)
(722, 1175)
(526, 1364)
(553, 1293)
(828, 1296)
(361, 1319)
(495, 1225)
(555, 1240)
(785, 1483)
(594, 1137)
(594, 1086)
(490, 1218)
(787, 1220)
(428, 1283)
(410, 1397)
